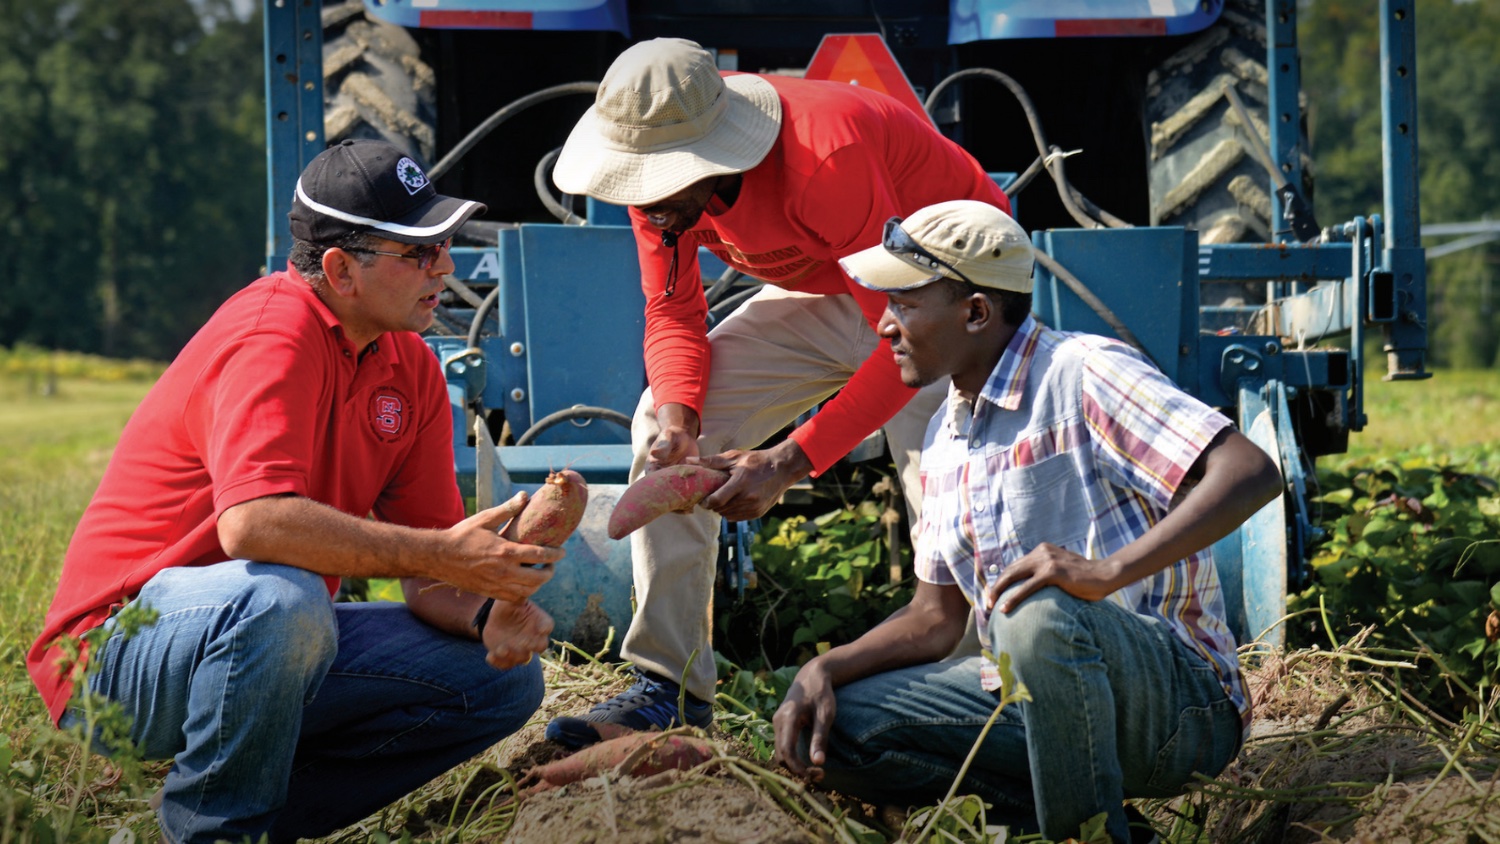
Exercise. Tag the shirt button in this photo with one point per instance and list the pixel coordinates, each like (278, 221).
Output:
(979, 505)
(347, 353)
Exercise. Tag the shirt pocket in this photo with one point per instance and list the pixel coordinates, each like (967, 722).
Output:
(1046, 503)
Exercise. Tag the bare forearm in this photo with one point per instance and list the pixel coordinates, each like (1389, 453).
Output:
(442, 605)
(1238, 479)
(309, 535)
(471, 555)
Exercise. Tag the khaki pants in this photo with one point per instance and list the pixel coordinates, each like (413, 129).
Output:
(776, 357)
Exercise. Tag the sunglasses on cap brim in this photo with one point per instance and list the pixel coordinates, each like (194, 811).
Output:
(897, 241)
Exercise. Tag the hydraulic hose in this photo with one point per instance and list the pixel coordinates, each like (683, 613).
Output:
(539, 176)
(578, 412)
(507, 112)
(1051, 159)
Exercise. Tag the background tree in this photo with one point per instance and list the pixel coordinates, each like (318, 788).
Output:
(134, 153)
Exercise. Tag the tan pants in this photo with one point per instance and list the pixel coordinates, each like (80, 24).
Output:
(776, 357)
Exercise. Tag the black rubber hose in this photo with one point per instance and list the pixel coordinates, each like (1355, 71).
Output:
(476, 325)
(579, 412)
(1094, 302)
(504, 114)
(539, 176)
(1052, 162)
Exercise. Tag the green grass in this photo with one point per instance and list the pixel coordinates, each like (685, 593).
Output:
(1450, 411)
(55, 443)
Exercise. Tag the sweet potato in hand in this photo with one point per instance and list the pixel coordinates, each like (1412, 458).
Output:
(670, 490)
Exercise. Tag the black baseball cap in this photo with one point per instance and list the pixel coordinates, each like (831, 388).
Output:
(367, 185)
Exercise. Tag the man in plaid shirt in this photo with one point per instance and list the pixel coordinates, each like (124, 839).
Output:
(1070, 495)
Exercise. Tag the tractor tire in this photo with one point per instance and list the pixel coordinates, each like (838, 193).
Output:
(1203, 173)
(375, 83)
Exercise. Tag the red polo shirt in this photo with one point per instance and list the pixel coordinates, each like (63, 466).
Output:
(268, 398)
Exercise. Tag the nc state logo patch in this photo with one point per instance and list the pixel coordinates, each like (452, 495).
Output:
(388, 409)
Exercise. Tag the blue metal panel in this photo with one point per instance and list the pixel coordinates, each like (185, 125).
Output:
(1274, 261)
(1146, 276)
(587, 15)
(979, 20)
(585, 325)
(294, 111)
(591, 586)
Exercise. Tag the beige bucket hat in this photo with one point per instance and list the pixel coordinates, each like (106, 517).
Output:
(963, 239)
(663, 119)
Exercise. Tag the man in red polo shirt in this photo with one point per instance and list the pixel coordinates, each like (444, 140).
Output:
(779, 178)
(236, 499)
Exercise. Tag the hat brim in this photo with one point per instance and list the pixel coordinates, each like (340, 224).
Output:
(434, 222)
(878, 269)
(592, 165)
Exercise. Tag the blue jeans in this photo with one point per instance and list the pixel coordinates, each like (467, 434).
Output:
(288, 715)
(1120, 708)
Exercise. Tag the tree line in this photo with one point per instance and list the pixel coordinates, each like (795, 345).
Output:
(133, 155)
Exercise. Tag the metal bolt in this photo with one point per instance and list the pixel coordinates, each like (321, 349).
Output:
(518, 394)
(1272, 347)
(517, 349)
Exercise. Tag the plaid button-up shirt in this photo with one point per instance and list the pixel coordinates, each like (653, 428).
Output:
(1077, 441)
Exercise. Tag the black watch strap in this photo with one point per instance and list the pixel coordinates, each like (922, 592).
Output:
(483, 616)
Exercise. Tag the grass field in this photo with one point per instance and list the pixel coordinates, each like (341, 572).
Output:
(56, 440)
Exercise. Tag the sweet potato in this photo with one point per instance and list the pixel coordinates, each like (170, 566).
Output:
(664, 491)
(633, 754)
(553, 511)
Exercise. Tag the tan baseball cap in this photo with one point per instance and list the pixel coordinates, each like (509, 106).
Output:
(663, 119)
(963, 239)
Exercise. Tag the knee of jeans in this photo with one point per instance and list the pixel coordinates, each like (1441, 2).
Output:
(1042, 625)
(508, 699)
(291, 605)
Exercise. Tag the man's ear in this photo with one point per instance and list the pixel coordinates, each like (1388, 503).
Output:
(341, 270)
(981, 313)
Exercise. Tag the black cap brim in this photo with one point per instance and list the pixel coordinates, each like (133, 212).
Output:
(434, 221)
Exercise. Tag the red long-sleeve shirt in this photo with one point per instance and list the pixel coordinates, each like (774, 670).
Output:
(847, 159)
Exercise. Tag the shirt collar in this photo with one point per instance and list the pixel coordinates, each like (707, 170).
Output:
(378, 349)
(1006, 386)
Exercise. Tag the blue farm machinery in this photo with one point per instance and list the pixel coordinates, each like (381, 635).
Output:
(1176, 216)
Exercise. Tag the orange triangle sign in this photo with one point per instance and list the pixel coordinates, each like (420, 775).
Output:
(866, 61)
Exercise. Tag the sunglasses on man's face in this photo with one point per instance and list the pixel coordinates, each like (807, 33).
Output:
(425, 256)
(897, 241)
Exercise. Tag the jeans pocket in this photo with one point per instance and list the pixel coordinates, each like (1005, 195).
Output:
(1206, 739)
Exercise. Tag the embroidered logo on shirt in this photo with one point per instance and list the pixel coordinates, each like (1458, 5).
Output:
(388, 408)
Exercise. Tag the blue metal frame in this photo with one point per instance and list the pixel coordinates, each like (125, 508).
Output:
(1403, 258)
(1284, 112)
(294, 111)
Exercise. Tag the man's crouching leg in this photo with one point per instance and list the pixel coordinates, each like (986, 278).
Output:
(900, 739)
(1120, 707)
(218, 684)
(402, 704)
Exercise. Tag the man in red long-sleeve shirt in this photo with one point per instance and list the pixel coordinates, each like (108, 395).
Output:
(779, 178)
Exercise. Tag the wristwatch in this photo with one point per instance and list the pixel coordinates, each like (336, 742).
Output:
(483, 616)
